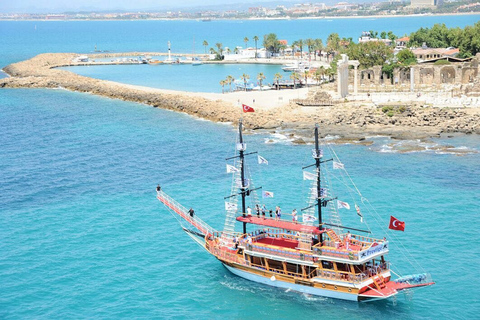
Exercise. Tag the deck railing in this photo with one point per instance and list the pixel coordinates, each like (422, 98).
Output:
(177, 208)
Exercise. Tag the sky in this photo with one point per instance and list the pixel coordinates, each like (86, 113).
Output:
(44, 6)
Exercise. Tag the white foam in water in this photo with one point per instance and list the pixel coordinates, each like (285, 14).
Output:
(278, 138)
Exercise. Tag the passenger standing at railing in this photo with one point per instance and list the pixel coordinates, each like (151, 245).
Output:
(264, 209)
(191, 212)
(348, 236)
(278, 213)
(294, 216)
(249, 212)
(257, 208)
(158, 188)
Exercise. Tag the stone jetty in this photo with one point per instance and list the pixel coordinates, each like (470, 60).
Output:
(350, 120)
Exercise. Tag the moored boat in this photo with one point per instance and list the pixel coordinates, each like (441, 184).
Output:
(317, 255)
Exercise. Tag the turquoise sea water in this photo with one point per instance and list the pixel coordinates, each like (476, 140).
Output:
(202, 78)
(83, 236)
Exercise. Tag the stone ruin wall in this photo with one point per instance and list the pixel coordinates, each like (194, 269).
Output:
(426, 76)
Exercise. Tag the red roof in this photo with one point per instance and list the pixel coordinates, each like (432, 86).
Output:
(281, 224)
(404, 39)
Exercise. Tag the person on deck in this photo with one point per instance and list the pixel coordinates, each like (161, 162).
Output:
(348, 236)
(257, 208)
(191, 212)
(249, 212)
(158, 188)
(271, 213)
(278, 213)
(264, 209)
(294, 216)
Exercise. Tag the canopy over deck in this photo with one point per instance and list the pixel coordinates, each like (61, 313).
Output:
(281, 224)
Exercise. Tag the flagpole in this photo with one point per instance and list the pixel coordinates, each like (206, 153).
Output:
(242, 172)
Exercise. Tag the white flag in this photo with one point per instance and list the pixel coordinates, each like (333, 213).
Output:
(238, 183)
(308, 218)
(359, 213)
(341, 204)
(231, 169)
(262, 160)
(267, 194)
(230, 206)
(309, 176)
(317, 155)
(241, 146)
(338, 165)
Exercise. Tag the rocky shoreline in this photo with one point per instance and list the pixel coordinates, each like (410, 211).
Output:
(348, 120)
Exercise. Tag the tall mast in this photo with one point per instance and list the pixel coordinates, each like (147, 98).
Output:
(319, 179)
(242, 172)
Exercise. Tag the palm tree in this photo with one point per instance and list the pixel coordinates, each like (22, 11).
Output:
(245, 78)
(222, 83)
(305, 74)
(310, 44)
(260, 78)
(294, 76)
(277, 78)
(255, 38)
(219, 52)
(318, 46)
(319, 74)
(300, 45)
(205, 44)
(228, 50)
(246, 42)
(229, 81)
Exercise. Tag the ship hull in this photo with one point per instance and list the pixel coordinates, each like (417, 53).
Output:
(292, 286)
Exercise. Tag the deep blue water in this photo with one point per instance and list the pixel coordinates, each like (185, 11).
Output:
(83, 236)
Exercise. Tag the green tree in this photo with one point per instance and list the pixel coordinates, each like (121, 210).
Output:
(371, 53)
(245, 78)
(230, 80)
(255, 38)
(319, 73)
(222, 83)
(277, 78)
(246, 41)
(310, 43)
(294, 76)
(406, 57)
(219, 52)
(260, 78)
(318, 46)
(383, 35)
(205, 44)
(333, 43)
(271, 43)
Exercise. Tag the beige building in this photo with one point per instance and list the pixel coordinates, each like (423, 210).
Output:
(425, 3)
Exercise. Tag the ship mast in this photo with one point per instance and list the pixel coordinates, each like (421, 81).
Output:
(319, 178)
(243, 190)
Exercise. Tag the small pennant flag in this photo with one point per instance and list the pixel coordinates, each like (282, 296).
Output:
(238, 183)
(341, 204)
(230, 206)
(241, 146)
(359, 213)
(309, 176)
(231, 169)
(247, 108)
(323, 192)
(262, 160)
(315, 155)
(396, 224)
(267, 194)
(338, 165)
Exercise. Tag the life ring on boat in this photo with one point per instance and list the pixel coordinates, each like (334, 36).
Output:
(323, 285)
(350, 256)
(335, 287)
(349, 289)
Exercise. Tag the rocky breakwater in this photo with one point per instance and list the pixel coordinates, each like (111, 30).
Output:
(352, 120)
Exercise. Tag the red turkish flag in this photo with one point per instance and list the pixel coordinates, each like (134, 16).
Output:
(396, 224)
(247, 108)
